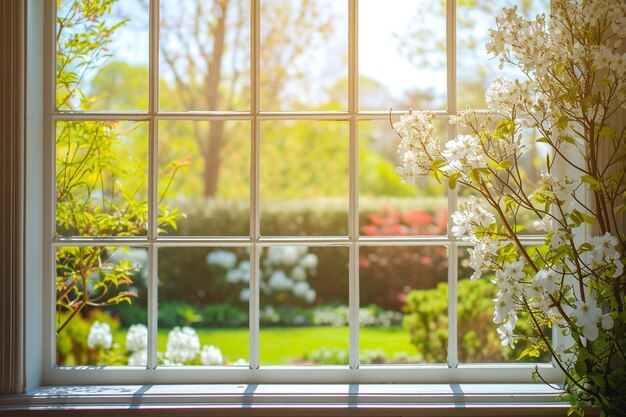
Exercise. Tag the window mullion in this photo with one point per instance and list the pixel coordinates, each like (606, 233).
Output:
(153, 105)
(353, 213)
(453, 261)
(255, 217)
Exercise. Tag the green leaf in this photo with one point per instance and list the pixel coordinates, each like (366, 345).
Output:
(588, 219)
(454, 178)
(562, 122)
(580, 367)
(589, 180)
(607, 132)
(504, 165)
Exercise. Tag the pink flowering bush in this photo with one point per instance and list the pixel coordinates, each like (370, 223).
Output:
(388, 272)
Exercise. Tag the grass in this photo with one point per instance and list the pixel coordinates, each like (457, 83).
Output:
(288, 345)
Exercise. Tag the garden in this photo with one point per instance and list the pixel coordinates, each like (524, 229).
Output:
(203, 183)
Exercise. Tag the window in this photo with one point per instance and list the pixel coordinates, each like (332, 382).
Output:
(227, 167)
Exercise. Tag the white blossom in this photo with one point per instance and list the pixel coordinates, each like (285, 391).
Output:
(183, 345)
(504, 305)
(604, 247)
(418, 148)
(310, 295)
(279, 281)
(548, 280)
(300, 289)
(288, 256)
(562, 188)
(138, 358)
(558, 239)
(514, 270)
(137, 338)
(211, 355)
(545, 224)
(100, 336)
(505, 332)
(309, 261)
(589, 317)
(223, 259)
(482, 255)
(298, 273)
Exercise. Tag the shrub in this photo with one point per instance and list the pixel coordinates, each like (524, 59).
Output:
(389, 272)
(177, 313)
(426, 318)
(71, 344)
(223, 315)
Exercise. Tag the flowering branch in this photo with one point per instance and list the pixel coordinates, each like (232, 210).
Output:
(574, 85)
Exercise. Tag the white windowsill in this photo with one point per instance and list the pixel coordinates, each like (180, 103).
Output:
(295, 399)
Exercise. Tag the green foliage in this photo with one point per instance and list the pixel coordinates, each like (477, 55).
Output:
(100, 173)
(172, 314)
(71, 344)
(83, 32)
(426, 318)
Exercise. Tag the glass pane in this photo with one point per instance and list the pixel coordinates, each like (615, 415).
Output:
(304, 178)
(387, 206)
(101, 312)
(304, 55)
(404, 304)
(304, 306)
(102, 55)
(476, 68)
(478, 339)
(204, 175)
(101, 185)
(204, 59)
(402, 54)
(203, 306)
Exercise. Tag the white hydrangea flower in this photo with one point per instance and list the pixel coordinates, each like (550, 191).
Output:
(211, 355)
(137, 338)
(183, 345)
(310, 295)
(309, 261)
(223, 259)
(100, 336)
(301, 288)
(138, 358)
(279, 281)
(284, 255)
(298, 273)
(244, 295)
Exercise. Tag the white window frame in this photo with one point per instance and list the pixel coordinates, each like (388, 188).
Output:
(453, 372)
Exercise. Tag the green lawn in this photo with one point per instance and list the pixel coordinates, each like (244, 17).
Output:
(284, 345)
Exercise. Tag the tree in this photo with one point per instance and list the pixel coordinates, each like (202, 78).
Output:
(205, 52)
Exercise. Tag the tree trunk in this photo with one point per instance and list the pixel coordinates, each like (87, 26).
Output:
(213, 147)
